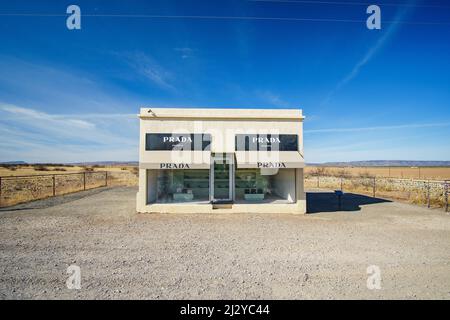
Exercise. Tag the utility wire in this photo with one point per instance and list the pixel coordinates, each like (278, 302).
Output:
(354, 3)
(146, 16)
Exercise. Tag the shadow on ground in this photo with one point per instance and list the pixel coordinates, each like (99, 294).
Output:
(329, 202)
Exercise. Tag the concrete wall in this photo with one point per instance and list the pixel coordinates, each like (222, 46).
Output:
(284, 184)
(300, 183)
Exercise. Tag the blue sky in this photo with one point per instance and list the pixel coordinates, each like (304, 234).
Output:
(69, 96)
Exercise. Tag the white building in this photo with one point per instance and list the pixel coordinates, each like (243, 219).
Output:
(214, 160)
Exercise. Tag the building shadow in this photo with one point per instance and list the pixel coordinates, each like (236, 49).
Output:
(317, 202)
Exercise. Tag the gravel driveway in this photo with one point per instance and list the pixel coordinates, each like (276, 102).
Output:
(243, 256)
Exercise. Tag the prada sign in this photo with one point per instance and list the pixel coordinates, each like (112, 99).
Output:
(174, 166)
(177, 141)
(266, 142)
(271, 165)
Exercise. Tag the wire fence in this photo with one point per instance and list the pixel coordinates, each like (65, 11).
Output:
(19, 189)
(431, 193)
(25, 188)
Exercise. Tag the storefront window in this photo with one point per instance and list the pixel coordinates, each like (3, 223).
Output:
(183, 186)
(252, 186)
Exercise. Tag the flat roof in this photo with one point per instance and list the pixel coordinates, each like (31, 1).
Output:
(220, 113)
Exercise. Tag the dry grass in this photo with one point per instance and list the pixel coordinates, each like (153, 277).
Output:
(23, 183)
(25, 170)
(384, 188)
(432, 173)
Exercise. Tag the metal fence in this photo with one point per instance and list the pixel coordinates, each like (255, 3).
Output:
(432, 193)
(18, 189)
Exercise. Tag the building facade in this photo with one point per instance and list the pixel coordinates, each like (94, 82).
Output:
(214, 160)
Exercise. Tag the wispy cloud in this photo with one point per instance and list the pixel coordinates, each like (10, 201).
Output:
(379, 44)
(185, 52)
(24, 113)
(46, 86)
(32, 135)
(51, 113)
(272, 99)
(379, 128)
(146, 66)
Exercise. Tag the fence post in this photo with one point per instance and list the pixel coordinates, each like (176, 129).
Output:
(54, 185)
(374, 186)
(106, 178)
(446, 195)
(0, 191)
(428, 194)
(84, 180)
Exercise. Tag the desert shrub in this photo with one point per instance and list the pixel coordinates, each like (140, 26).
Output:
(365, 174)
(386, 188)
(59, 169)
(342, 173)
(41, 168)
(89, 169)
(124, 168)
(320, 171)
(12, 168)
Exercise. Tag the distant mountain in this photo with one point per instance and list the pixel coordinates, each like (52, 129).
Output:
(384, 163)
(13, 162)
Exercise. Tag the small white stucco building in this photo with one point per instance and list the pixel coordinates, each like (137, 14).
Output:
(214, 160)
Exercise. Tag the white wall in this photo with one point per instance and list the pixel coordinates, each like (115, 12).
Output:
(284, 184)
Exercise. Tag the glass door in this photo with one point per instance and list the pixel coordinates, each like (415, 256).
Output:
(221, 177)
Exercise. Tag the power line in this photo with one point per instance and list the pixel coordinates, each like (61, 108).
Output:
(354, 3)
(146, 16)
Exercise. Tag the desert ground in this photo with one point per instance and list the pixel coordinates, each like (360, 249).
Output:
(44, 169)
(420, 173)
(122, 255)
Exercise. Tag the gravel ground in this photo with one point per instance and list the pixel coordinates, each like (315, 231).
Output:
(126, 255)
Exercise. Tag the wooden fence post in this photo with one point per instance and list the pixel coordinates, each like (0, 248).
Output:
(446, 195)
(54, 185)
(106, 178)
(428, 194)
(374, 186)
(84, 180)
(0, 191)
